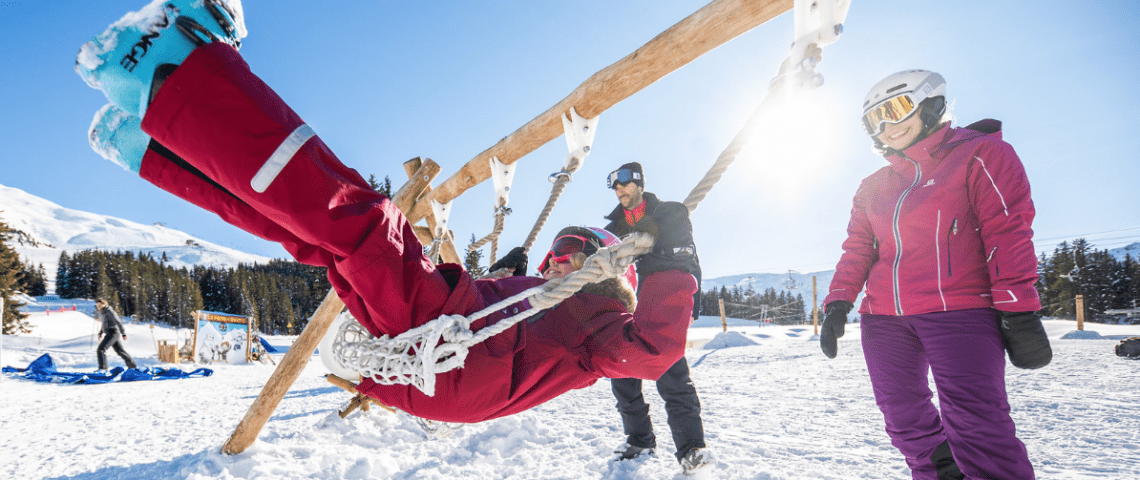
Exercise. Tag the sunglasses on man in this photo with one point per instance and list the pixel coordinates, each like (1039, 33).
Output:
(622, 176)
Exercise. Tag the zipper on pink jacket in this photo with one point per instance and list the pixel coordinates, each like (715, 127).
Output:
(898, 234)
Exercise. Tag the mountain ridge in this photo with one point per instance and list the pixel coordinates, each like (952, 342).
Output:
(42, 230)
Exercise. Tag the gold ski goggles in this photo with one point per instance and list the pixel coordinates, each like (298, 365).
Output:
(893, 110)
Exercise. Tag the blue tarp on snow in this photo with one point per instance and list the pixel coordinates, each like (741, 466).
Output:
(268, 348)
(43, 370)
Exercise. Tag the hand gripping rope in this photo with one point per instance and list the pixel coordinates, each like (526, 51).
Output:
(818, 23)
(417, 355)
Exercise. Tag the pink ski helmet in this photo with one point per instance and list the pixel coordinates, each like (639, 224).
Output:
(586, 240)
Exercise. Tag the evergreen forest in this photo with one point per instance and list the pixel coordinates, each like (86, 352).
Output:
(281, 295)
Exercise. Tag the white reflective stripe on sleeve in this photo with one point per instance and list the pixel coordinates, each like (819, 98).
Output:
(1013, 298)
(281, 157)
(1004, 207)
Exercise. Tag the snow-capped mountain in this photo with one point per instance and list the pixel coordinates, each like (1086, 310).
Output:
(44, 229)
(1121, 252)
(791, 282)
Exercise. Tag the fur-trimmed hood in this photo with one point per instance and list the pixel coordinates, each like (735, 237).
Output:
(617, 288)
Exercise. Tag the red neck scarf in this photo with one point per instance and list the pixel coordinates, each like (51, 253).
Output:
(632, 216)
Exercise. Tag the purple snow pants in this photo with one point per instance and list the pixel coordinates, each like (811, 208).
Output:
(963, 350)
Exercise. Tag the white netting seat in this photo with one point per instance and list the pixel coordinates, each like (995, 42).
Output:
(417, 355)
(411, 358)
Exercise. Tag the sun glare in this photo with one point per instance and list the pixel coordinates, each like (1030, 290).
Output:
(797, 141)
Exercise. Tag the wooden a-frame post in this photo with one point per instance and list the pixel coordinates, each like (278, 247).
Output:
(707, 28)
(302, 350)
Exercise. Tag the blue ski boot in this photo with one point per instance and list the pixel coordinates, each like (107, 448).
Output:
(129, 60)
(117, 136)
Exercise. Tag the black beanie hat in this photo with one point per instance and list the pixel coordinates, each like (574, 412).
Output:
(635, 167)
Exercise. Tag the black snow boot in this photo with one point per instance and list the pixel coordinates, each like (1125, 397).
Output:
(943, 461)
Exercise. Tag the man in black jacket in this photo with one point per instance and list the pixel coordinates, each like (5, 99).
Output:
(111, 330)
(642, 211)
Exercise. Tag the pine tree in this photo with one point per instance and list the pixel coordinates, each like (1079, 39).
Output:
(61, 276)
(1132, 298)
(14, 321)
(471, 261)
(1061, 282)
(33, 282)
(384, 189)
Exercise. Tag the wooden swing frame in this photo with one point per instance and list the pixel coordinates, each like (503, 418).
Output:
(704, 30)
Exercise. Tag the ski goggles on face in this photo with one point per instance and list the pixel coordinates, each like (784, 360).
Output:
(892, 110)
(621, 176)
(564, 248)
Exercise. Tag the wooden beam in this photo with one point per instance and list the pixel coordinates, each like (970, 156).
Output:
(699, 33)
(284, 375)
(447, 251)
(419, 183)
(302, 350)
(358, 400)
(422, 233)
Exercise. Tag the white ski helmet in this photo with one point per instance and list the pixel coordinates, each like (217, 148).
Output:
(898, 96)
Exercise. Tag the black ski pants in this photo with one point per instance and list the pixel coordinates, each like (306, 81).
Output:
(115, 341)
(681, 405)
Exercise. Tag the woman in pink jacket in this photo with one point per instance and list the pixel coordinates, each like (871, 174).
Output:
(940, 240)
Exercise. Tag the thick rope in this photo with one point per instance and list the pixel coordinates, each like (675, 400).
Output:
(775, 90)
(562, 178)
(493, 237)
(434, 249)
(726, 157)
(417, 355)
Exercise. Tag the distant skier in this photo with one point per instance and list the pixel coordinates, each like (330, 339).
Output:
(942, 240)
(109, 335)
(223, 140)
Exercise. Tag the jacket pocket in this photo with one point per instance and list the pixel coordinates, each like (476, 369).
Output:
(950, 234)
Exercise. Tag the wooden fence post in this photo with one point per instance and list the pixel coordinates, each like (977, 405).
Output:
(1080, 312)
(814, 307)
(723, 321)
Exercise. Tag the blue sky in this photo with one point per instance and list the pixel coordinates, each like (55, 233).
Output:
(383, 81)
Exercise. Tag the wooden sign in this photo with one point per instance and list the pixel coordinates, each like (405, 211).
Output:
(222, 338)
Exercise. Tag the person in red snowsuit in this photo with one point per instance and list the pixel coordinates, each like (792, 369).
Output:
(223, 140)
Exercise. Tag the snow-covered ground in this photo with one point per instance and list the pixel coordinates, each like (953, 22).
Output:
(774, 408)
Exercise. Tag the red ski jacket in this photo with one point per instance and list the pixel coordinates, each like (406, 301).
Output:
(946, 226)
(570, 346)
(226, 142)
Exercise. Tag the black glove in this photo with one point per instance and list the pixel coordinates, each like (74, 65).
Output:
(1025, 339)
(673, 241)
(834, 322)
(516, 259)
